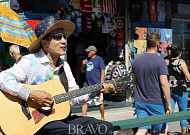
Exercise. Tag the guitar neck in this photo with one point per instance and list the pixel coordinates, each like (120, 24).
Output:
(77, 93)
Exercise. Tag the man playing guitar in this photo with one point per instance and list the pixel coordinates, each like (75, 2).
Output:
(43, 64)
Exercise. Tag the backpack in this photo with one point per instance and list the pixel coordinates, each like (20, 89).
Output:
(176, 77)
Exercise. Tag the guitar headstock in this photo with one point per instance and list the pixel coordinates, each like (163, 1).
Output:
(124, 82)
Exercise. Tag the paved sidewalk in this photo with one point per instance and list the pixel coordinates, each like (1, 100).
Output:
(115, 111)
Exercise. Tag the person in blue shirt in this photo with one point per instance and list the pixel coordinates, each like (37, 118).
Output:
(151, 87)
(94, 69)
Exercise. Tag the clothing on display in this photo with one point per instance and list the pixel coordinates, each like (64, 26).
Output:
(14, 4)
(86, 23)
(97, 6)
(120, 33)
(97, 23)
(145, 14)
(114, 70)
(152, 11)
(75, 4)
(141, 46)
(120, 43)
(153, 30)
(141, 32)
(64, 3)
(78, 23)
(164, 46)
(86, 6)
(166, 34)
(135, 10)
(161, 13)
(107, 24)
(109, 6)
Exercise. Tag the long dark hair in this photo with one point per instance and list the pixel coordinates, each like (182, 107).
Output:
(175, 50)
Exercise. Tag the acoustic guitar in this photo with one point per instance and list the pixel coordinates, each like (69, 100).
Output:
(18, 117)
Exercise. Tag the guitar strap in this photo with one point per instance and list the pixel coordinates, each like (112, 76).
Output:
(25, 110)
(63, 77)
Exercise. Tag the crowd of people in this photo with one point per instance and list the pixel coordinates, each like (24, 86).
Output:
(158, 83)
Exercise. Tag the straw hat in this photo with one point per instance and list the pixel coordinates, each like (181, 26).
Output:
(46, 26)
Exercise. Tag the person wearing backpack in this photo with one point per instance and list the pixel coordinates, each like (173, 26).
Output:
(178, 74)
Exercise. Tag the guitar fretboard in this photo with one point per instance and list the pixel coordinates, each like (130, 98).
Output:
(77, 93)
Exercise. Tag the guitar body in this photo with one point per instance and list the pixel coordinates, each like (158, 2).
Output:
(14, 122)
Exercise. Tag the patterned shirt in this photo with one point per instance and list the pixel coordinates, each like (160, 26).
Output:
(35, 69)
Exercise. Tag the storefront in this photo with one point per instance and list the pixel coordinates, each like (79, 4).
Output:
(118, 28)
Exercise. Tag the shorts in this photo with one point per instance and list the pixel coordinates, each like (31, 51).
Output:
(97, 100)
(145, 110)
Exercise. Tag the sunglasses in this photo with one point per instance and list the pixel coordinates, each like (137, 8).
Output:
(59, 36)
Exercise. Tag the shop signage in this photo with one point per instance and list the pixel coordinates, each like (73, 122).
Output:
(5, 2)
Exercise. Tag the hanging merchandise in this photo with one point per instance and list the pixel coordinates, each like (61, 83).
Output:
(65, 14)
(135, 10)
(107, 24)
(97, 27)
(152, 11)
(97, 3)
(141, 32)
(120, 24)
(161, 12)
(78, 24)
(14, 4)
(114, 24)
(97, 6)
(97, 23)
(153, 30)
(120, 33)
(63, 3)
(166, 34)
(109, 6)
(120, 43)
(113, 43)
(145, 13)
(120, 53)
(86, 23)
(74, 4)
(140, 45)
(114, 70)
(86, 6)
(164, 46)
(113, 34)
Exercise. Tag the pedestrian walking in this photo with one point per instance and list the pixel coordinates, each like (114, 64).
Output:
(151, 85)
(94, 69)
(178, 73)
